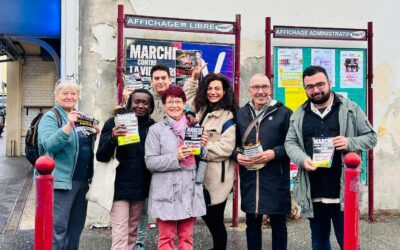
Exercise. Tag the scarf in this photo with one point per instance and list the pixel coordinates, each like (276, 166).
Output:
(179, 127)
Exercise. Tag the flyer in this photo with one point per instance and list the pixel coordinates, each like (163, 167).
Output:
(323, 150)
(86, 123)
(326, 59)
(351, 69)
(132, 127)
(134, 81)
(290, 67)
(193, 139)
(251, 150)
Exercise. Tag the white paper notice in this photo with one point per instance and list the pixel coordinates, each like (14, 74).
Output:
(351, 69)
(326, 59)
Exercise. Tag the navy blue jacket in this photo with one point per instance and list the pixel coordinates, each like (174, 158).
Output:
(267, 190)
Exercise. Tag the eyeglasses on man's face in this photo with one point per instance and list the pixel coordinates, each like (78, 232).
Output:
(258, 87)
(311, 87)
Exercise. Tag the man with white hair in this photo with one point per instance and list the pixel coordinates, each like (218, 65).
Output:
(261, 127)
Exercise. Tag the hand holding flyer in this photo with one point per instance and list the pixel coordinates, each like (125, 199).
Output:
(251, 150)
(323, 150)
(132, 127)
(86, 123)
(193, 139)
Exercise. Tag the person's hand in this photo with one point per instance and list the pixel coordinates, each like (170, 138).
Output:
(191, 120)
(244, 161)
(119, 130)
(183, 152)
(340, 142)
(196, 71)
(96, 127)
(204, 139)
(263, 157)
(72, 118)
(126, 92)
(309, 165)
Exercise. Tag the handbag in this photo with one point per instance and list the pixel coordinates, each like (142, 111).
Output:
(101, 189)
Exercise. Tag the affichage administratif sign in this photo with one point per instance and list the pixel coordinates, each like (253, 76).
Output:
(143, 22)
(319, 33)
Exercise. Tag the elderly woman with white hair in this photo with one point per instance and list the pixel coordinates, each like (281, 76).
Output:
(72, 152)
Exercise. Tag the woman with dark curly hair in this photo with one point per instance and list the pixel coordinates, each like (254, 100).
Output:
(215, 104)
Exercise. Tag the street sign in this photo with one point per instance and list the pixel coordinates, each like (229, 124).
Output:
(319, 33)
(185, 25)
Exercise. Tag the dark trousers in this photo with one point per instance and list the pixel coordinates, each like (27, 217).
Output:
(254, 234)
(321, 225)
(69, 215)
(214, 220)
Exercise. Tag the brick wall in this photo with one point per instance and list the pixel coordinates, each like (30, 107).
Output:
(38, 79)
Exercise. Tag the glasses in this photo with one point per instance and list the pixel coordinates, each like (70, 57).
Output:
(172, 102)
(311, 87)
(258, 87)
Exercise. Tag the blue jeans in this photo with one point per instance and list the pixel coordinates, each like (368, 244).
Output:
(321, 225)
(254, 233)
(69, 215)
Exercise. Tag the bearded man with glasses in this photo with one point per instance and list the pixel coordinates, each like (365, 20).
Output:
(331, 117)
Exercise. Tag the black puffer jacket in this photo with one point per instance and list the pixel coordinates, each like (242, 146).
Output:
(132, 180)
(266, 191)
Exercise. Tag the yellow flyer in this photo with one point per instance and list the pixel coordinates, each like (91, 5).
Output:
(132, 127)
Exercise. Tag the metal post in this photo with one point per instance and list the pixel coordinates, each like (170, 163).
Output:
(44, 204)
(235, 205)
(351, 201)
(370, 79)
(268, 32)
(120, 49)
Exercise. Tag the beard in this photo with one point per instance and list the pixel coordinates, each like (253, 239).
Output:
(320, 100)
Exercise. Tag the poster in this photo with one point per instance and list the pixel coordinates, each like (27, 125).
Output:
(294, 97)
(326, 59)
(180, 57)
(351, 69)
(290, 67)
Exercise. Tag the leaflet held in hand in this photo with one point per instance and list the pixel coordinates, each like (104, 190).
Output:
(193, 139)
(251, 150)
(323, 150)
(86, 124)
(131, 122)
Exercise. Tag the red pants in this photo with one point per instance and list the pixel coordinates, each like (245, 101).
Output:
(168, 230)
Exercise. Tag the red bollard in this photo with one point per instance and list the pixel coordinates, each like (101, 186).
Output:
(351, 201)
(44, 203)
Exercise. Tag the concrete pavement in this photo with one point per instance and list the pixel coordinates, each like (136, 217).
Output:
(17, 224)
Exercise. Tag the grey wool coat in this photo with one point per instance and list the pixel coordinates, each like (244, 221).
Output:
(173, 192)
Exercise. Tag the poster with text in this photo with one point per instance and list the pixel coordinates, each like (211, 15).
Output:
(326, 59)
(180, 57)
(290, 67)
(351, 69)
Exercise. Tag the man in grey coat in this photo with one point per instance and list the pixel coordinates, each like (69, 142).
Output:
(327, 115)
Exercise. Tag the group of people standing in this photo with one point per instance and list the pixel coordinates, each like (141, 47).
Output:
(159, 174)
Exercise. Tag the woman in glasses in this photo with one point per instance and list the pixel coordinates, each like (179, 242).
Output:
(175, 199)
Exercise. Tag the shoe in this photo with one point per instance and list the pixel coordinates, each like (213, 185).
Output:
(139, 246)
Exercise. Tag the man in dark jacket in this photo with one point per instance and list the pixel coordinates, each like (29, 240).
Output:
(264, 165)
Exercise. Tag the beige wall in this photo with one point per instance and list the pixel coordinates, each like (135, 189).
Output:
(14, 100)
(30, 83)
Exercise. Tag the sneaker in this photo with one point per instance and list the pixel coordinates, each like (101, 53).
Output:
(139, 246)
